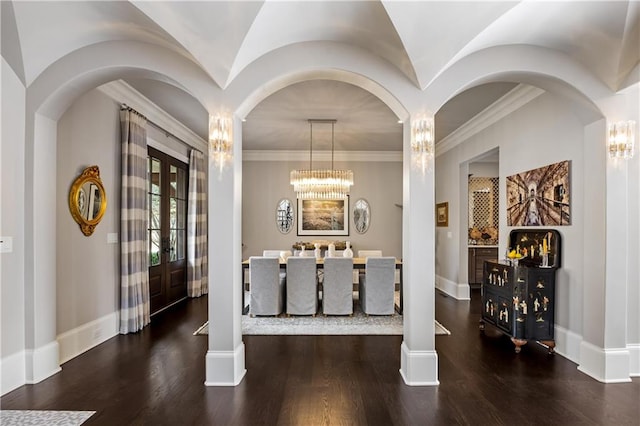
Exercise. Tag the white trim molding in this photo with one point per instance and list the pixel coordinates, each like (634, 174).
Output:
(515, 99)
(459, 291)
(12, 372)
(568, 344)
(634, 359)
(419, 368)
(289, 155)
(604, 365)
(122, 92)
(81, 339)
(41, 362)
(220, 363)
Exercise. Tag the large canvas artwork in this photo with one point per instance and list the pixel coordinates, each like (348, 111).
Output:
(540, 197)
(323, 217)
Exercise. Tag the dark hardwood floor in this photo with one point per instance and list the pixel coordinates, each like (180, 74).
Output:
(156, 377)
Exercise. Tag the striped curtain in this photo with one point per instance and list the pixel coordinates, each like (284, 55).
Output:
(134, 257)
(197, 262)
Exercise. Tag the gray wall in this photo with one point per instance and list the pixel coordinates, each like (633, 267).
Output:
(542, 132)
(12, 213)
(264, 183)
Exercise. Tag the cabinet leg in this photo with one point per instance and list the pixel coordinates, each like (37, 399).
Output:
(481, 325)
(550, 344)
(519, 343)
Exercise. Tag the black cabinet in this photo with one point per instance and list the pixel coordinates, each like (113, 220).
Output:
(518, 297)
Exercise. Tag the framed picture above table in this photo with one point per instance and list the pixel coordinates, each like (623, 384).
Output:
(323, 217)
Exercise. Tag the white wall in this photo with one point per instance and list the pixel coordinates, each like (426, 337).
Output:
(12, 213)
(542, 132)
(266, 182)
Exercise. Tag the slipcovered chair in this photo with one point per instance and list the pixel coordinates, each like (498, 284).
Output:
(377, 286)
(302, 286)
(267, 286)
(337, 295)
(275, 253)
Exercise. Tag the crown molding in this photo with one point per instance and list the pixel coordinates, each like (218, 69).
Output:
(123, 93)
(510, 102)
(324, 156)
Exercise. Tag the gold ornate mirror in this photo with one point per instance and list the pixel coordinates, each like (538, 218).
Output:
(88, 200)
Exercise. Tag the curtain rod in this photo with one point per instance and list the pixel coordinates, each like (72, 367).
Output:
(165, 131)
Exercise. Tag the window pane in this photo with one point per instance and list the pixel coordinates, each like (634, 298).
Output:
(173, 213)
(154, 247)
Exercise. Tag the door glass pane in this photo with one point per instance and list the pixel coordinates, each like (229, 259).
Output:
(173, 213)
(181, 214)
(154, 210)
(173, 181)
(154, 176)
(173, 245)
(154, 247)
(181, 244)
(182, 184)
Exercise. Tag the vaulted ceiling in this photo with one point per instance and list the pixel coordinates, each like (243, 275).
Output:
(422, 39)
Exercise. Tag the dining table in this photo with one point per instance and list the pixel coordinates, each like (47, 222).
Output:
(359, 263)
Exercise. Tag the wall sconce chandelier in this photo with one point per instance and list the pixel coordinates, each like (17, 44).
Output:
(220, 140)
(422, 144)
(621, 139)
(321, 184)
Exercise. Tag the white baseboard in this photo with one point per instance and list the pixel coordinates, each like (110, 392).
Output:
(418, 368)
(225, 368)
(455, 290)
(604, 365)
(41, 363)
(568, 344)
(634, 359)
(81, 339)
(12, 372)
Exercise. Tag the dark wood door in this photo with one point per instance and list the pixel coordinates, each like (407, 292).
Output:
(168, 180)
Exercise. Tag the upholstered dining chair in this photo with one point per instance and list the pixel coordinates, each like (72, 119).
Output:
(377, 285)
(337, 295)
(267, 286)
(302, 286)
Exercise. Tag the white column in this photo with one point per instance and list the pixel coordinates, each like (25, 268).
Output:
(419, 360)
(225, 358)
(41, 360)
(603, 352)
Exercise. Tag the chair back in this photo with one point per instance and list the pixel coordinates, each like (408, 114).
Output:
(267, 286)
(302, 286)
(369, 253)
(337, 288)
(271, 253)
(377, 287)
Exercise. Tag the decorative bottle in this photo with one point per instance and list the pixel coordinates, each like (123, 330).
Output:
(317, 252)
(303, 249)
(331, 252)
(348, 252)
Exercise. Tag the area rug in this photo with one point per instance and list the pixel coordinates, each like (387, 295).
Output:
(43, 418)
(358, 324)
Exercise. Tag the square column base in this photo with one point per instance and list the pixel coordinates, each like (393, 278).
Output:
(604, 365)
(225, 368)
(418, 368)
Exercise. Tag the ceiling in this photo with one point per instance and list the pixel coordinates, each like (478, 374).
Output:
(418, 42)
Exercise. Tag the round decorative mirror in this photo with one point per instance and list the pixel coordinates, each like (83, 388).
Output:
(361, 215)
(88, 200)
(284, 216)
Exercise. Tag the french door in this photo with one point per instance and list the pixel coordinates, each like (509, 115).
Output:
(167, 201)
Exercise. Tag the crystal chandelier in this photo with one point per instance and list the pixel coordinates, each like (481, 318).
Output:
(321, 184)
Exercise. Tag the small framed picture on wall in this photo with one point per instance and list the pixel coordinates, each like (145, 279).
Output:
(442, 214)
